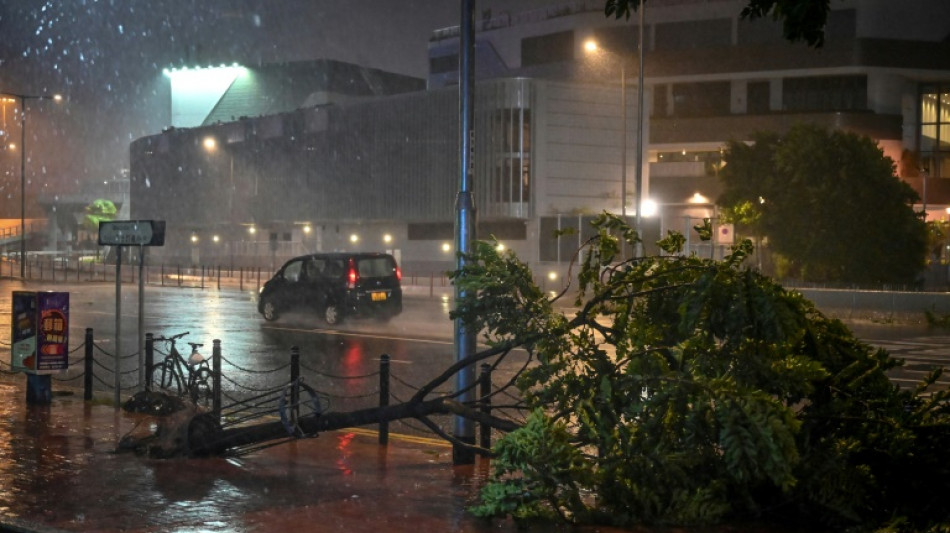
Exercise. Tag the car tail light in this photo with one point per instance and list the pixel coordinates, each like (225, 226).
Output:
(398, 273)
(352, 276)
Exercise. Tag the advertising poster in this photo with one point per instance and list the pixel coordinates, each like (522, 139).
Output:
(52, 339)
(40, 336)
(23, 337)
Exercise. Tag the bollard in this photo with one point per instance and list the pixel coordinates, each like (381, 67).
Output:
(484, 381)
(384, 396)
(219, 277)
(87, 365)
(179, 275)
(216, 379)
(241, 282)
(295, 384)
(149, 360)
(202, 277)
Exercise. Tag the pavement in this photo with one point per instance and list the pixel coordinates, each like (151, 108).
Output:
(59, 471)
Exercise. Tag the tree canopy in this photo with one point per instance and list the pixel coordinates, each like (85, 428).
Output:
(692, 391)
(829, 204)
(802, 20)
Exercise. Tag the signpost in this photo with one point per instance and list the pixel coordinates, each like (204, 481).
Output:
(139, 233)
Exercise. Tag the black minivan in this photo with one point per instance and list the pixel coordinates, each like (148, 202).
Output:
(336, 285)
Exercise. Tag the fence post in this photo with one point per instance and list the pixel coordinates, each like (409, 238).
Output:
(384, 396)
(295, 384)
(87, 363)
(216, 379)
(485, 400)
(202, 277)
(149, 360)
(179, 275)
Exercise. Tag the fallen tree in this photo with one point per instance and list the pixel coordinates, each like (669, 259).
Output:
(682, 391)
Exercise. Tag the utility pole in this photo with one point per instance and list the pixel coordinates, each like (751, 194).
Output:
(464, 429)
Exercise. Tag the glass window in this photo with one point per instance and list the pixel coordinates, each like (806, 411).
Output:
(934, 133)
(549, 48)
(928, 137)
(701, 99)
(825, 93)
(292, 271)
(376, 267)
(757, 97)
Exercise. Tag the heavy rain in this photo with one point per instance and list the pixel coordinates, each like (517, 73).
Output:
(256, 146)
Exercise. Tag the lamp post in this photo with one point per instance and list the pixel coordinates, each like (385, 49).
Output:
(211, 146)
(22, 99)
(592, 46)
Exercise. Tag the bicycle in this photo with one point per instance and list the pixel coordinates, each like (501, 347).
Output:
(191, 377)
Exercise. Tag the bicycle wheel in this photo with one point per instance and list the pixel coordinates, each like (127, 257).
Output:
(168, 377)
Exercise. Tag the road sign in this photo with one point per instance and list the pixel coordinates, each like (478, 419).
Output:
(132, 233)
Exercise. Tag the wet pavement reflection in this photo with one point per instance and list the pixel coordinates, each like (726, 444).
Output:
(58, 469)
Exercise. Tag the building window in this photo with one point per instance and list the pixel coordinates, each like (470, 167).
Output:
(934, 132)
(757, 97)
(693, 34)
(701, 99)
(660, 101)
(443, 64)
(825, 93)
(511, 144)
(549, 48)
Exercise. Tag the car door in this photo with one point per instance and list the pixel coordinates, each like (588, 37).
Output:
(287, 293)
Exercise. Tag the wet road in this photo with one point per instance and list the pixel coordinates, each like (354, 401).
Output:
(341, 363)
(57, 466)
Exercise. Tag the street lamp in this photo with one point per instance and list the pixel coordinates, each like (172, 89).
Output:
(591, 46)
(23, 98)
(210, 145)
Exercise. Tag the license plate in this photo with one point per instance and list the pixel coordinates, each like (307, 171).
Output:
(378, 296)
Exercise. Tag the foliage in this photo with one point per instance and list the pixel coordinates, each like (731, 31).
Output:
(99, 210)
(692, 391)
(802, 20)
(829, 204)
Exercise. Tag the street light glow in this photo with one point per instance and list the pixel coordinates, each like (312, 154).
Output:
(22, 98)
(210, 143)
(650, 207)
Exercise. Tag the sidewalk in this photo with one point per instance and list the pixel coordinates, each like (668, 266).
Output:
(59, 472)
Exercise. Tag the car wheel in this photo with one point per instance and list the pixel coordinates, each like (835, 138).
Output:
(269, 310)
(332, 314)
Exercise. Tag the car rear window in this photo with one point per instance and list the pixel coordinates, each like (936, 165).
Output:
(376, 267)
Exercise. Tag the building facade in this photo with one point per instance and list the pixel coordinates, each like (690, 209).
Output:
(557, 131)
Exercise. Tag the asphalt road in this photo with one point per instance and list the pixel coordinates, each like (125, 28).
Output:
(343, 360)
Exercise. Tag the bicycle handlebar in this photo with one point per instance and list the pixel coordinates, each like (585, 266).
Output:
(173, 338)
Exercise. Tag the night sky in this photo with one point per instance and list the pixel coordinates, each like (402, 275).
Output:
(106, 58)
